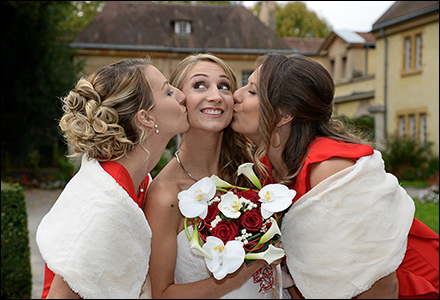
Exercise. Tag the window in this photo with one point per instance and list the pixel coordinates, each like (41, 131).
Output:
(422, 129)
(402, 126)
(182, 28)
(407, 54)
(244, 77)
(344, 67)
(413, 46)
(333, 68)
(418, 51)
(413, 124)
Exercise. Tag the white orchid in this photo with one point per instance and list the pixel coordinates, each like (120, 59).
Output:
(275, 198)
(273, 230)
(246, 170)
(230, 205)
(226, 259)
(270, 255)
(193, 202)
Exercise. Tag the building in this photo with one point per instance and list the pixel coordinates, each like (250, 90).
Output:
(407, 71)
(390, 73)
(170, 32)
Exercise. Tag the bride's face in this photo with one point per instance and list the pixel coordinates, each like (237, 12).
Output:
(208, 97)
(247, 109)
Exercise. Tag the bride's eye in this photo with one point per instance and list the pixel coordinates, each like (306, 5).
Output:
(199, 85)
(224, 86)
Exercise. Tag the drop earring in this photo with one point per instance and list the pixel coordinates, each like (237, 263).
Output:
(157, 130)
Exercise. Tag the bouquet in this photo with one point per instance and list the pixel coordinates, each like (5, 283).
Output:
(233, 224)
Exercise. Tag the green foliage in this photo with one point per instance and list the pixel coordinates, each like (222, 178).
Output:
(428, 213)
(408, 160)
(294, 19)
(362, 126)
(16, 282)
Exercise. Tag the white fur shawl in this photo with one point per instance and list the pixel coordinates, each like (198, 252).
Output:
(347, 232)
(96, 237)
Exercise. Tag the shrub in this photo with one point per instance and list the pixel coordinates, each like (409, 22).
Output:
(407, 159)
(16, 282)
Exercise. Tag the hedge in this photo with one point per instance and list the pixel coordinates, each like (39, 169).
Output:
(16, 282)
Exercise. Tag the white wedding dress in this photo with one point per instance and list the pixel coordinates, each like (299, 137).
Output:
(192, 268)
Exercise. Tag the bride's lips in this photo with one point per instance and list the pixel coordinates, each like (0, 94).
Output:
(212, 111)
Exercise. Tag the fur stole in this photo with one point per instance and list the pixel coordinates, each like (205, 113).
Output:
(347, 232)
(96, 237)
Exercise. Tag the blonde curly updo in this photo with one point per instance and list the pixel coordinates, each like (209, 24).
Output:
(99, 113)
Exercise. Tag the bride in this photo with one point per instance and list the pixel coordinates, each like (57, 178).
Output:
(209, 147)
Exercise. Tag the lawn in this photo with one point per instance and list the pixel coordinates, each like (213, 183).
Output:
(428, 213)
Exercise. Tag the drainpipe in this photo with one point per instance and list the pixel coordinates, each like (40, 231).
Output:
(382, 35)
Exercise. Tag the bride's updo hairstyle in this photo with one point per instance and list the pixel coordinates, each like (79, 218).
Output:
(99, 117)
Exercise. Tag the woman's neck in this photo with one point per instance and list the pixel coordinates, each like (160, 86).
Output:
(200, 153)
(279, 169)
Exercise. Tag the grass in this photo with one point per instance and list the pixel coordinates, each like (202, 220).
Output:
(428, 213)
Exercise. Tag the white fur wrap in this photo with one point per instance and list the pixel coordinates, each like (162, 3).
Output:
(347, 232)
(96, 237)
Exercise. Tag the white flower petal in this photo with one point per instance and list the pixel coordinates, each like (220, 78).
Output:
(230, 205)
(225, 259)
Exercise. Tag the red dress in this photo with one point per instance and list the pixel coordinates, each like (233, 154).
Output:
(418, 274)
(121, 175)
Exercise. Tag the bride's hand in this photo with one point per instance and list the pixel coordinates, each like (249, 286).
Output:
(245, 272)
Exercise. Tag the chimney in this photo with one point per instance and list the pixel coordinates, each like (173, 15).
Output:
(267, 14)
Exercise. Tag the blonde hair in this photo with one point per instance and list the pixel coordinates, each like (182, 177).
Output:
(99, 113)
(235, 147)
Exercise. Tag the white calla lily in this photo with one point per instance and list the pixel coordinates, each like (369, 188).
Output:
(270, 255)
(195, 247)
(226, 259)
(246, 170)
(230, 205)
(193, 202)
(275, 198)
(219, 183)
(273, 230)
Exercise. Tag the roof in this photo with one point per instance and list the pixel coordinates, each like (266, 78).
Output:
(150, 26)
(305, 46)
(350, 37)
(402, 11)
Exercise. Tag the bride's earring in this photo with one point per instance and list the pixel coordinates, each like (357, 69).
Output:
(157, 130)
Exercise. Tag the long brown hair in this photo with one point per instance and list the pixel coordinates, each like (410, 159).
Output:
(302, 88)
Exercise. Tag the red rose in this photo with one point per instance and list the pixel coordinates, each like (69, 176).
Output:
(213, 211)
(225, 231)
(250, 195)
(251, 220)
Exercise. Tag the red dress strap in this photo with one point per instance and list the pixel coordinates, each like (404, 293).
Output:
(321, 149)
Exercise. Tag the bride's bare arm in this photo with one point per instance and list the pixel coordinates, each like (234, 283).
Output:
(164, 217)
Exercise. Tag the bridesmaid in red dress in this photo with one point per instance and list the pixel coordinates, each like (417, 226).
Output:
(351, 231)
(96, 240)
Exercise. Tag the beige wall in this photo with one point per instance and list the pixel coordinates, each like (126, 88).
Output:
(412, 93)
(165, 62)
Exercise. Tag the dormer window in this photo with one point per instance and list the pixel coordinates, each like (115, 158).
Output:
(182, 28)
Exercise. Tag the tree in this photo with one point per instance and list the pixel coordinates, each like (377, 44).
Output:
(37, 70)
(294, 19)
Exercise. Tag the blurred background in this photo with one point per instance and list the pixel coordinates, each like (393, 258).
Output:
(386, 77)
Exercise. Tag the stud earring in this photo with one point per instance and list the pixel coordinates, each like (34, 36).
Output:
(157, 130)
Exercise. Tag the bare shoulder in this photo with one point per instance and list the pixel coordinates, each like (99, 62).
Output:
(161, 203)
(322, 170)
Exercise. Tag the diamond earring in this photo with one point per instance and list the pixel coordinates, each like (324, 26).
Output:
(157, 130)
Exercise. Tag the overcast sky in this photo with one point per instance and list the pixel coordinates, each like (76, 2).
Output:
(351, 15)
